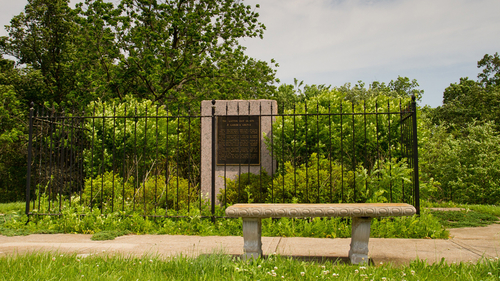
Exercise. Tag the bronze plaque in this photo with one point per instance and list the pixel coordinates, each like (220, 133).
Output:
(238, 140)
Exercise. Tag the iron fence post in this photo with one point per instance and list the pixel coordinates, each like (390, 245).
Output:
(212, 199)
(30, 148)
(415, 155)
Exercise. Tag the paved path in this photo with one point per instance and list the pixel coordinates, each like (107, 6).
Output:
(467, 244)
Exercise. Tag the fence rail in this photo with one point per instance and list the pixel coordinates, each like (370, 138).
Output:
(144, 158)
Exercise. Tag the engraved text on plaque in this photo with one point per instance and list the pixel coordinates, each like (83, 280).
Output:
(238, 140)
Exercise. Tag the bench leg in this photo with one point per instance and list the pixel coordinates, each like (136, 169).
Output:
(359, 240)
(252, 232)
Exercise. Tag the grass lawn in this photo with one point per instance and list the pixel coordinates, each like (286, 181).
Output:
(53, 266)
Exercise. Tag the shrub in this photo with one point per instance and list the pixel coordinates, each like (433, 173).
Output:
(111, 193)
(247, 188)
(323, 181)
(142, 137)
(311, 183)
(296, 136)
(466, 165)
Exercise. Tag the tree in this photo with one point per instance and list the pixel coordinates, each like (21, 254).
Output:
(15, 86)
(469, 100)
(41, 37)
(178, 50)
(491, 72)
(181, 50)
(401, 88)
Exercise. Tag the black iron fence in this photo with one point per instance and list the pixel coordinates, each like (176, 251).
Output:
(137, 157)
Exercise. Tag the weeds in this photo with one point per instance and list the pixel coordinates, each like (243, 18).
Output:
(119, 223)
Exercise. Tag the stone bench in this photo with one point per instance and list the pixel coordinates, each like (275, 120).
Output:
(361, 213)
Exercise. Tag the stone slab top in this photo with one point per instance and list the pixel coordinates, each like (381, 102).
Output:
(320, 210)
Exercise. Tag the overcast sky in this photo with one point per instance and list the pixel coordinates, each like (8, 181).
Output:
(333, 42)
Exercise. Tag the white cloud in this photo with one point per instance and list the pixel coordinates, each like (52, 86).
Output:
(345, 38)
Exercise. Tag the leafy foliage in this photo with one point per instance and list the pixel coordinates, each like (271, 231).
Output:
(138, 131)
(80, 219)
(469, 100)
(308, 129)
(248, 187)
(467, 166)
(16, 86)
(322, 181)
(42, 37)
(177, 50)
(114, 194)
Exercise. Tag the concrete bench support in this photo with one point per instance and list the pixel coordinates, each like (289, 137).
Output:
(252, 232)
(361, 214)
(360, 234)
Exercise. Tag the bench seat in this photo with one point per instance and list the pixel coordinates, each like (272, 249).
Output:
(362, 213)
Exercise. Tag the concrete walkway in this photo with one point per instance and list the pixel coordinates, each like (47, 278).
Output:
(466, 244)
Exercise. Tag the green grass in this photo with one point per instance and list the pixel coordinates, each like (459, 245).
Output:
(8, 208)
(54, 266)
(465, 218)
(485, 209)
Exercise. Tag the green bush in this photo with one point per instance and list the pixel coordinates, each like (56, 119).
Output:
(323, 181)
(141, 142)
(465, 165)
(317, 187)
(297, 136)
(247, 188)
(111, 193)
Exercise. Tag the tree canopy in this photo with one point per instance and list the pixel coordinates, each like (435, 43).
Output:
(180, 50)
(469, 100)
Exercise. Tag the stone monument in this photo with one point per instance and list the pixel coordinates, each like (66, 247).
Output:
(240, 148)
